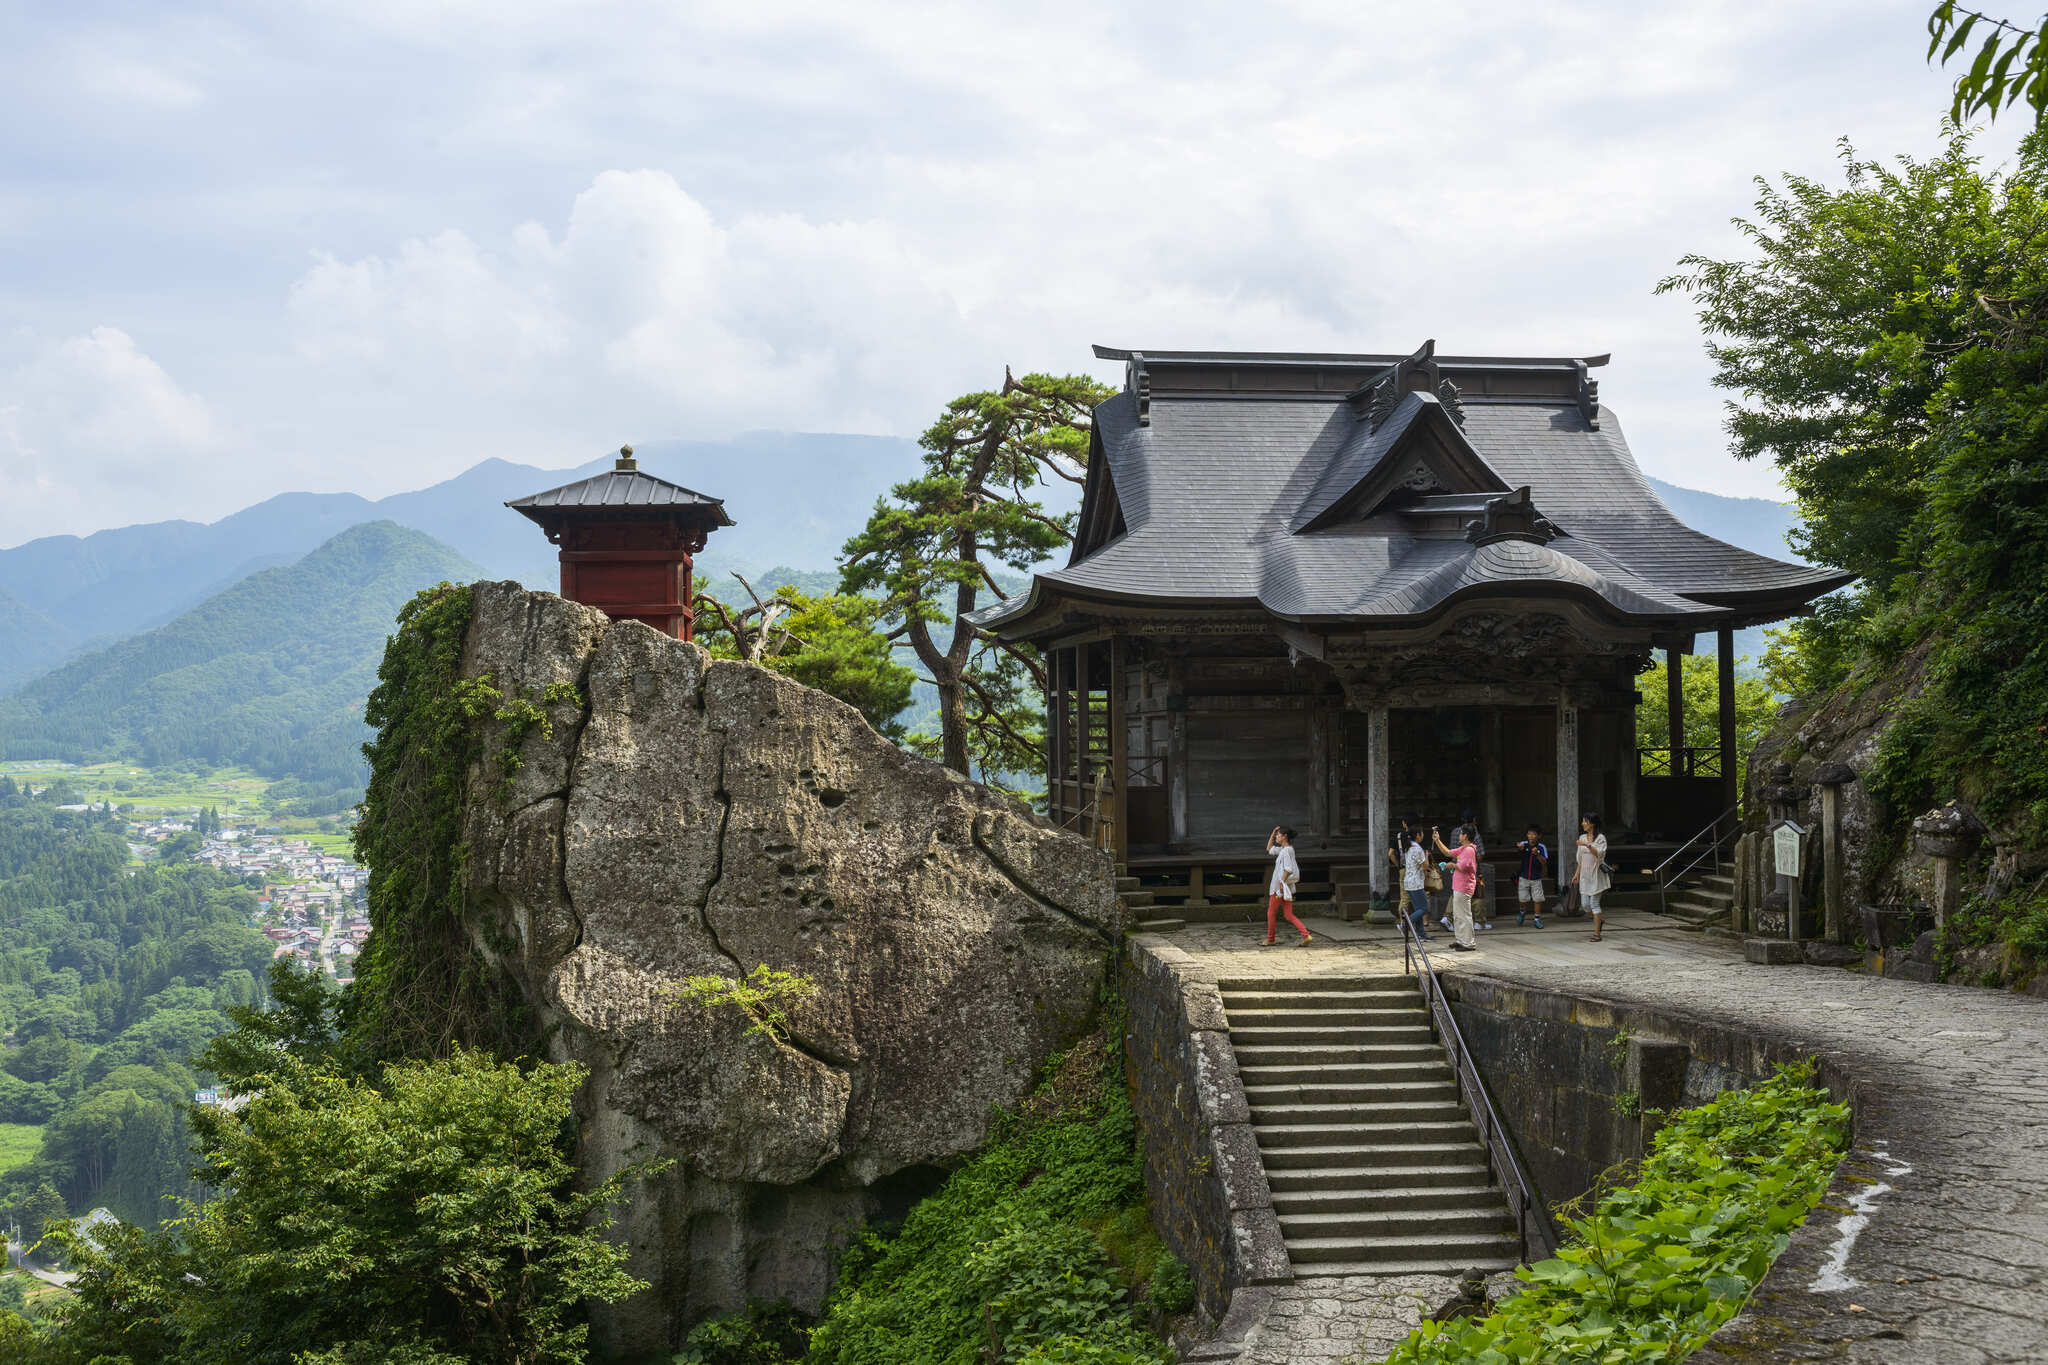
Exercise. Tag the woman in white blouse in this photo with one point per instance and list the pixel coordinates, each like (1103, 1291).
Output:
(1590, 872)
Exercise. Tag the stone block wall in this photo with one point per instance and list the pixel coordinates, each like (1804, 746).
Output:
(1203, 1175)
(1577, 1080)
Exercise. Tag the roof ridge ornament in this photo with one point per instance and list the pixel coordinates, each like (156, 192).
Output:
(1589, 392)
(626, 463)
(1511, 516)
(1415, 373)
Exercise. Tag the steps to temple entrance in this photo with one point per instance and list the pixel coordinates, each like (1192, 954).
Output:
(1706, 902)
(1374, 1165)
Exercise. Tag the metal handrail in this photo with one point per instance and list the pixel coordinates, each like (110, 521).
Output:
(1532, 1221)
(1712, 849)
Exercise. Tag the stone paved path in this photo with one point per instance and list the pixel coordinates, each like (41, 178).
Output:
(1323, 1322)
(1950, 1264)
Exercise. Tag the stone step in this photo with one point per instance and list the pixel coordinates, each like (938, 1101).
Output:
(1161, 926)
(1348, 1179)
(1136, 900)
(1306, 1053)
(1718, 881)
(1341, 1269)
(1445, 1110)
(1487, 1217)
(1444, 1089)
(1373, 1075)
(1396, 1199)
(1388, 981)
(1443, 1132)
(1324, 1006)
(1458, 1249)
(1377, 1156)
(1261, 1033)
(1339, 1015)
(1127, 883)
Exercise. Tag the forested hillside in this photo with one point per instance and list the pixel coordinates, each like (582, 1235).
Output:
(270, 674)
(112, 979)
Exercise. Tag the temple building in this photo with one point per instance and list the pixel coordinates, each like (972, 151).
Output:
(1327, 590)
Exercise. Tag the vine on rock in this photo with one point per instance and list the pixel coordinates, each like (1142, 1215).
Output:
(421, 986)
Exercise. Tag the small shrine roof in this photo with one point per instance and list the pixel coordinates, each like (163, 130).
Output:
(625, 487)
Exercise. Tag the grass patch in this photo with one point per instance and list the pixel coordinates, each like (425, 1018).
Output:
(1038, 1249)
(19, 1143)
(1660, 1264)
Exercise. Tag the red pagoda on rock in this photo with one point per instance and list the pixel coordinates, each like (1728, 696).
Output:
(626, 540)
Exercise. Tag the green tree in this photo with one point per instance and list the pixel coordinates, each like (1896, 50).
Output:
(2010, 64)
(1888, 343)
(1700, 687)
(928, 548)
(432, 1212)
(39, 1210)
(829, 641)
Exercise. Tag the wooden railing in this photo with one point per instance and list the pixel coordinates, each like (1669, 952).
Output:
(1685, 762)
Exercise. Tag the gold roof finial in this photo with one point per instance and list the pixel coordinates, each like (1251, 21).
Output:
(627, 464)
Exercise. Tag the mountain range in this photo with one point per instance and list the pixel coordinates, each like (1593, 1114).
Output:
(270, 673)
(254, 639)
(795, 497)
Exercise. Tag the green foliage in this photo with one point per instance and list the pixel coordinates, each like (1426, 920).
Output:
(1700, 688)
(1659, 1265)
(764, 1334)
(2010, 65)
(1011, 1260)
(763, 995)
(1889, 343)
(432, 1211)
(1173, 1289)
(421, 987)
(930, 548)
(830, 641)
(110, 982)
(270, 673)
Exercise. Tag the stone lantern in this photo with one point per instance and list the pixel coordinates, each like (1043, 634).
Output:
(626, 540)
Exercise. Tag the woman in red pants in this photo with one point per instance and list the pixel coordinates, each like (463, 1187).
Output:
(1280, 895)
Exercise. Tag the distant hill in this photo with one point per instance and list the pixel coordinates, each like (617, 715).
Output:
(795, 496)
(270, 673)
(1755, 524)
(25, 635)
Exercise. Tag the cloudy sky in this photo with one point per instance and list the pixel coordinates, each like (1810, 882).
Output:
(254, 246)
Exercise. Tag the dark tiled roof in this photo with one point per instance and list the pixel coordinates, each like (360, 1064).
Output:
(1213, 489)
(631, 488)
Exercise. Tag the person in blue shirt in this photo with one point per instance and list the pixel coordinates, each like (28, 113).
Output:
(1529, 882)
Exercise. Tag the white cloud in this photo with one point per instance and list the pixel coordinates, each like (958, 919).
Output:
(93, 424)
(387, 239)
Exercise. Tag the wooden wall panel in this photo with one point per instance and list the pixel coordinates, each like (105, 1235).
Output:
(1247, 772)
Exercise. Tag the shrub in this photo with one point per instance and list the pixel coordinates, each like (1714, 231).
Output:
(1659, 1265)
(760, 1334)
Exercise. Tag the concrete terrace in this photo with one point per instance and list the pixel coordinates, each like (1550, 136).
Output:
(1932, 1244)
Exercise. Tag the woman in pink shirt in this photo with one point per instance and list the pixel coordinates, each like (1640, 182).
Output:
(1464, 868)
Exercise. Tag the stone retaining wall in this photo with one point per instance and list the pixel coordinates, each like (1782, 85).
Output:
(1203, 1174)
(1578, 1081)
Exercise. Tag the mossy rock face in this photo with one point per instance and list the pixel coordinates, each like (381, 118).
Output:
(689, 816)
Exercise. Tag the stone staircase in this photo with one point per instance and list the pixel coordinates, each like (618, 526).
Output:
(1374, 1165)
(1705, 902)
(1351, 890)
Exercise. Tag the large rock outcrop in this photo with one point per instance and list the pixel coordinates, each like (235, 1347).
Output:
(697, 816)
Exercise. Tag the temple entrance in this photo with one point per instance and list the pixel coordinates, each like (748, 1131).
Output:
(1528, 771)
(1437, 763)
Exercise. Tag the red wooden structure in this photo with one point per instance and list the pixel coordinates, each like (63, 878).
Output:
(626, 540)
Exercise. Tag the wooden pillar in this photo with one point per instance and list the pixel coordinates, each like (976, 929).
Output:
(1674, 705)
(1378, 804)
(1177, 755)
(1319, 726)
(1119, 751)
(1082, 728)
(1731, 781)
(1490, 812)
(1055, 728)
(1567, 775)
(1629, 816)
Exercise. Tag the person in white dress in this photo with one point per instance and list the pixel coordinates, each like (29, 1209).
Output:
(1589, 873)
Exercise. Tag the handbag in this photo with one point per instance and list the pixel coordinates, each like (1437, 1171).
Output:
(1432, 877)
